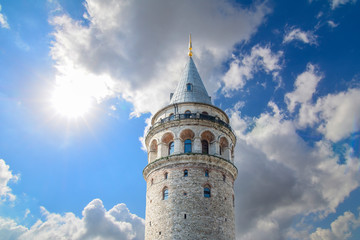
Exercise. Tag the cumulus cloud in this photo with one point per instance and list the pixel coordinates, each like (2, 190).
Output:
(6, 176)
(243, 68)
(305, 86)
(336, 115)
(281, 177)
(3, 20)
(97, 223)
(10, 230)
(340, 228)
(337, 3)
(297, 34)
(134, 44)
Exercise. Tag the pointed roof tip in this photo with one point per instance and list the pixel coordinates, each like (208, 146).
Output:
(190, 46)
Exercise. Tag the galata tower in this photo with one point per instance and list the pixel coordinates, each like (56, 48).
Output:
(190, 173)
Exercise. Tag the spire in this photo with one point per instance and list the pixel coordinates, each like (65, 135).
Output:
(190, 87)
(190, 46)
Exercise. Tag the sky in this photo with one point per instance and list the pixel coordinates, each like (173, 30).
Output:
(80, 80)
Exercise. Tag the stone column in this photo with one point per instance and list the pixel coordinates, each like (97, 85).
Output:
(178, 146)
(162, 150)
(217, 148)
(212, 148)
(197, 145)
(227, 153)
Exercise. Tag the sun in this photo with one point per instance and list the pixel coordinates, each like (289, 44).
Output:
(71, 101)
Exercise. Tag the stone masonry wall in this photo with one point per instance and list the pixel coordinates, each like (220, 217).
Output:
(187, 214)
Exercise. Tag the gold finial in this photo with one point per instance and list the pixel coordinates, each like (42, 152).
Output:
(190, 46)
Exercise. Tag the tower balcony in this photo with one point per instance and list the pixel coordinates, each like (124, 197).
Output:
(191, 116)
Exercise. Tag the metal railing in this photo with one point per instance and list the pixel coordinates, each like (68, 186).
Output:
(178, 117)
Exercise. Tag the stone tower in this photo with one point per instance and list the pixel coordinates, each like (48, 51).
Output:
(190, 173)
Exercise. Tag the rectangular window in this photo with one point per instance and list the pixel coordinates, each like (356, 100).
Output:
(189, 87)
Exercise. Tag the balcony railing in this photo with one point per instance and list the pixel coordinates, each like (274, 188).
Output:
(177, 117)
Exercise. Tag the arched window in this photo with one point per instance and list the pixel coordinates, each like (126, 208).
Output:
(207, 142)
(207, 192)
(186, 173)
(205, 147)
(206, 173)
(187, 146)
(171, 148)
(165, 193)
(166, 175)
(223, 146)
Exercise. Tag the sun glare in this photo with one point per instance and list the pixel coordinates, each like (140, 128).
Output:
(71, 101)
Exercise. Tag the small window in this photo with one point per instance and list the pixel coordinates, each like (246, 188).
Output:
(205, 147)
(166, 175)
(171, 148)
(206, 173)
(187, 146)
(189, 87)
(207, 192)
(186, 173)
(165, 194)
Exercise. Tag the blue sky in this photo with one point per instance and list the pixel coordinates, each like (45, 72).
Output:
(79, 81)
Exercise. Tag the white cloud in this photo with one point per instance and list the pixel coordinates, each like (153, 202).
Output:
(281, 177)
(337, 115)
(243, 69)
(3, 20)
(137, 45)
(6, 176)
(10, 230)
(332, 24)
(337, 3)
(96, 224)
(305, 86)
(340, 228)
(297, 34)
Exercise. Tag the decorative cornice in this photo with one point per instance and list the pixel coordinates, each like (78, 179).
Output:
(195, 158)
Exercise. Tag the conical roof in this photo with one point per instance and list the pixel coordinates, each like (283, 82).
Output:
(190, 88)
